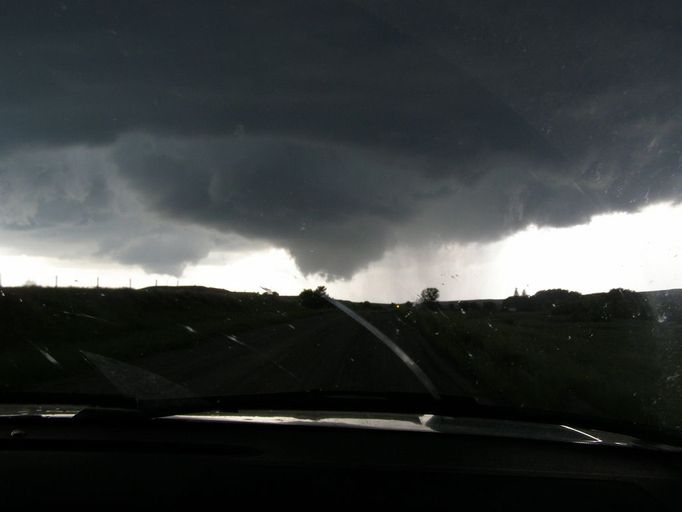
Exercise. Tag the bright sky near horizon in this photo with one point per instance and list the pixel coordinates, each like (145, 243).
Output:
(639, 251)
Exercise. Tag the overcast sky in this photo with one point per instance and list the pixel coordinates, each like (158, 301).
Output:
(379, 147)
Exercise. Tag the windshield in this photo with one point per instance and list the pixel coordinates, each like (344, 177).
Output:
(429, 199)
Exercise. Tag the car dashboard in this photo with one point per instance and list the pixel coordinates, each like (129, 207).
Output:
(284, 460)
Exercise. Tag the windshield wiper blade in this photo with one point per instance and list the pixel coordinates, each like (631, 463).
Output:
(410, 363)
(309, 401)
(326, 404)
(118, 408)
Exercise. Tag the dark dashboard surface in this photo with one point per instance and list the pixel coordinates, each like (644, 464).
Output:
(174, 463)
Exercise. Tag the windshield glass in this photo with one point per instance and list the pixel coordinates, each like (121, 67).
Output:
(472, 199)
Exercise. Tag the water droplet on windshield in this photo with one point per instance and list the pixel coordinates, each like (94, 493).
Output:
(662, 318)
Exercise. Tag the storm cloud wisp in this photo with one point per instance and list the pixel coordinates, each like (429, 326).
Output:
(336, 130)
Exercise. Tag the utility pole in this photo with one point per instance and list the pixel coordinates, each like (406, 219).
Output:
(98, 282)
(56, 281)
(130, 283)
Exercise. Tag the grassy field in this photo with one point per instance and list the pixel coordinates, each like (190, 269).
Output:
(627, 367)
(120, 323)
(589, 354)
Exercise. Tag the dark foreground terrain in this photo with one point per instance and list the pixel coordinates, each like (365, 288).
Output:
(617, 354)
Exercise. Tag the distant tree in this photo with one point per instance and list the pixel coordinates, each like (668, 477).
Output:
(556, 295)
(557, 301)
(429, 295)
(618, 303)
(626, 304)
(314, 299)
(516, 292)
(523, 293)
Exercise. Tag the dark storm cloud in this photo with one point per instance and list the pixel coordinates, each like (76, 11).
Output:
(166, 252)
(335, 129)
(601, 81)
(321, 71)
(333, 209)
(45, 187)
